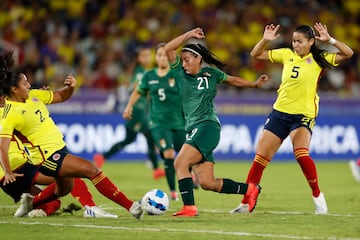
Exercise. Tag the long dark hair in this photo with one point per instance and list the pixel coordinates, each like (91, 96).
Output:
(9, 77)
(206, 55)
(318, 54)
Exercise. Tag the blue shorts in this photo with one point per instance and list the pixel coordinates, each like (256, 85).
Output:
(22, 184)
(281, 124)
(51, 166)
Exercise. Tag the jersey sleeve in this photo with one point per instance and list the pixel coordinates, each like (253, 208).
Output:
(277, 55)
(330, 57)
(44, 96)
(220, 75)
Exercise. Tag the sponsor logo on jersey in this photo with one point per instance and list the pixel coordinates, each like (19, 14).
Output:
(207, 74)
(151, 82)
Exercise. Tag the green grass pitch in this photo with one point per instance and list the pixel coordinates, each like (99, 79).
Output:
(285, 209)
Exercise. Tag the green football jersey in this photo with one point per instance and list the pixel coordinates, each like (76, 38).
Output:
(142, 103)
(198, 93)
(165, 99)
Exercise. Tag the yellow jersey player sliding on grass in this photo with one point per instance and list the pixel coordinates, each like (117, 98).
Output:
(25, 111)
(29, 175)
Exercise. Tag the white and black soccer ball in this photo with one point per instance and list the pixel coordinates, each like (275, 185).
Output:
(155, 202)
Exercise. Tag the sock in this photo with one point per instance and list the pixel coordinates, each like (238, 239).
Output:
(114, 149)
(152, 154)
(186, 190)
(153, 158)
(50, 207)
(257, 169)
(309, 169)
(130, 136)
(81, 192)
(170, 173)
(45, 196)
(232, 187)
(109, 190)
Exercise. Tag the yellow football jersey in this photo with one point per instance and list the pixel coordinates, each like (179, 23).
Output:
(17, 154)
(297, 93)
(32, 120)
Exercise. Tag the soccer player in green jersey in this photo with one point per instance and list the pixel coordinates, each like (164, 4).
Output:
(140, 120)
(166, 116)
(297, 103)
(25, 111)
(200, 74)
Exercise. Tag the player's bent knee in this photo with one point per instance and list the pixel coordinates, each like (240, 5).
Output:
(207, 185)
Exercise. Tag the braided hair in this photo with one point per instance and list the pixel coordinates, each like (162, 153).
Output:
(206, 55)
(318, 54)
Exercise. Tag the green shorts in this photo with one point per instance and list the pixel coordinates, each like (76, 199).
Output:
(168, 138)
(204, 137)
(139, 121)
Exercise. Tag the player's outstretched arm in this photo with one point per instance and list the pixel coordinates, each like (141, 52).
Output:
(171, 46)
(65, 93)
(241, 82)
(270, 34)
(134, 97)
(345, 52)
(9, 175)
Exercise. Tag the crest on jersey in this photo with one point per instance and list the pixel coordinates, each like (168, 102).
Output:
(56, 156)
(171, 82)
(308, 60)
(34, 99)
(137, 127)
(162, 143)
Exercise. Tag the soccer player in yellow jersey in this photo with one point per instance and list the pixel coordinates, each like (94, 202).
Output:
(20, 162)
(25, 111)
(297, 104)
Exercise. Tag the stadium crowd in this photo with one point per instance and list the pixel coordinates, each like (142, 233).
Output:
(96, 40)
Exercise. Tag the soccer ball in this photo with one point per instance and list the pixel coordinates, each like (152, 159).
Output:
(155, 202)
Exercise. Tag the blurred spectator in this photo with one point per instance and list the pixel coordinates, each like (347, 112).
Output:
(96, 39)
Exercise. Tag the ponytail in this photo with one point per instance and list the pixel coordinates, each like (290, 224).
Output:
(206, 55)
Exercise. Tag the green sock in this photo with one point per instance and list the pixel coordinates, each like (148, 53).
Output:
(186, 191)
(232, 187)
(114, 149)
(153, 158)
(170, 173)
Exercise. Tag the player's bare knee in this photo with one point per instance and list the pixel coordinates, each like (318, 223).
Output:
(206, 184)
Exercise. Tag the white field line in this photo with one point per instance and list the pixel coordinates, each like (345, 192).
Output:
(222, 211)
(141, 229)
